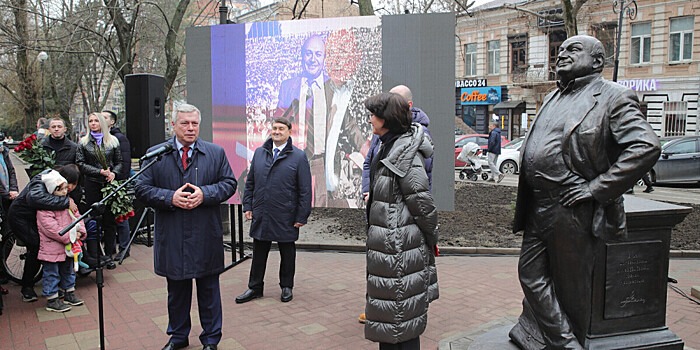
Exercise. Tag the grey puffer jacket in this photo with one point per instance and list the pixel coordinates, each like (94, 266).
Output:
(402, 231)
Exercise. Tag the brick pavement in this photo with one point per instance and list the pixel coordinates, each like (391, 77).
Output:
(329, 293)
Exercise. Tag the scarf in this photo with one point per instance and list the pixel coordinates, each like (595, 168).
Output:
(98, 137)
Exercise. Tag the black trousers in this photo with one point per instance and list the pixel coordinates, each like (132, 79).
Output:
(93, 194)
(31, 266)
(647, 180)
(261, 250)
(208, 304)
(411, 344)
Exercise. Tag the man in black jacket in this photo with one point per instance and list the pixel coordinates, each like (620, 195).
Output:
(64, 149)
(123, 229)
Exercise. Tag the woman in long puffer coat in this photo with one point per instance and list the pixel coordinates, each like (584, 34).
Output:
(402, 228)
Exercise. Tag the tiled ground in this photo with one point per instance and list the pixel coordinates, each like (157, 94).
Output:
(328, 296)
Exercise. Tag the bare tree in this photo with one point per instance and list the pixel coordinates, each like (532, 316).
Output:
(570, 10)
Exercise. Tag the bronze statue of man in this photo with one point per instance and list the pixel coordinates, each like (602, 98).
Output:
(589, 144)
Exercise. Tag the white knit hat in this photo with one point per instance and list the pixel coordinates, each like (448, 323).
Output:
(52, 180)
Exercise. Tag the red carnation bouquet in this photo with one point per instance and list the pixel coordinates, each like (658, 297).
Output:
(39, 159)
(121, 203)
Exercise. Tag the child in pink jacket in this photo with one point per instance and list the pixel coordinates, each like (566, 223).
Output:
(58, 271)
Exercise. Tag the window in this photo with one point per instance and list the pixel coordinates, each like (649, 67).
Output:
(494, 49)
(518, 57)
(470, 60)
(674, 122)
(681, 147)
(556, 38)
(464, 141)
(681, 46)
(606, 33)
(641, 43)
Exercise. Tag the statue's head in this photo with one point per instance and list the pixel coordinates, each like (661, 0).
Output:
(579, 56)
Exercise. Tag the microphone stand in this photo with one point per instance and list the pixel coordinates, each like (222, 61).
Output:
(99, 208)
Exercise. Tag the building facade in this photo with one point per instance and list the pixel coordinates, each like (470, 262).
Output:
(504, 46)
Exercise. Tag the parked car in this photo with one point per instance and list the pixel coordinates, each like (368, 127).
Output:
(509, 160)
(679, 161)
(480, 139)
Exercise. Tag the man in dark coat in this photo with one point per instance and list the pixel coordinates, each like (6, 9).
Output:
(494, 150)
(186, 188)
(277, 198)
(575, 167)
(63, 148)
(123, 229)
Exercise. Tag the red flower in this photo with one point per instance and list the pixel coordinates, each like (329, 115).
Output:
(33, 137)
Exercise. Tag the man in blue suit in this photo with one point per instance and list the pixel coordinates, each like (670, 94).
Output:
(277, 198)
(186, 188)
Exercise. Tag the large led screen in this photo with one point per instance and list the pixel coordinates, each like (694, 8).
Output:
(316, 73)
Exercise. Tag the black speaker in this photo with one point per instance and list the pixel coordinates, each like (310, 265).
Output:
(145, 117)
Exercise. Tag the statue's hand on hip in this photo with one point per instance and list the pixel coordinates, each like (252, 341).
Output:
(575, 195)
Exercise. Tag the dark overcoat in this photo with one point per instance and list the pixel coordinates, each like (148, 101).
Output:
(188, 243)
(278, 193)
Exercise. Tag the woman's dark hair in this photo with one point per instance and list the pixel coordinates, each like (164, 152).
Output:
(393, 109)
(70, 172)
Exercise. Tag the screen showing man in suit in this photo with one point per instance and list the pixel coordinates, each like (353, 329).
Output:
(316, 73)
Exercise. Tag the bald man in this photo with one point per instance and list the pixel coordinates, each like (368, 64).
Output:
(588, 144)
(418, 117)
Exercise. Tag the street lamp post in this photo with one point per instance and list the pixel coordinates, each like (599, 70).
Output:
(622, 7)
(223, 13)
(42, 57)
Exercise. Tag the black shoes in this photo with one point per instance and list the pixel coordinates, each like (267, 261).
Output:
(28, 295)
(247, 296)
(287, 295)
(649, 189)
(174, 346)
(209, 347)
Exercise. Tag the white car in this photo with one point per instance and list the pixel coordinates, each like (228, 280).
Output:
(509, 160)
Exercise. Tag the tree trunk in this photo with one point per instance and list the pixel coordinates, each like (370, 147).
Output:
(125, 35)
(25, 74)
(569, 14)
(173, 56)
(366, 8)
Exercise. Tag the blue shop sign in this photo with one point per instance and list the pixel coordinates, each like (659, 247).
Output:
(489, 95)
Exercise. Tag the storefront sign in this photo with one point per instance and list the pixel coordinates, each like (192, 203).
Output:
(466, 83)
(489, 95)
(640, 84)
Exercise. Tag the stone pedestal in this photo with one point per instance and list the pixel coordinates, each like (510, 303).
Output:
(629, 286)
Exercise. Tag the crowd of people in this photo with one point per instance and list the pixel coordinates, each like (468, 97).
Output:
(55, 198)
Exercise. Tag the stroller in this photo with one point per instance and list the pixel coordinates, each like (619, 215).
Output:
(473, 167)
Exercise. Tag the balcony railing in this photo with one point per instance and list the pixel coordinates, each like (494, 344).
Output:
(532, 75)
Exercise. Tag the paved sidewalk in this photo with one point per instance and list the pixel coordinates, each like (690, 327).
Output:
(329, 295)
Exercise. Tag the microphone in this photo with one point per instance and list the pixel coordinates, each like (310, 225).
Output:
(165, 149)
